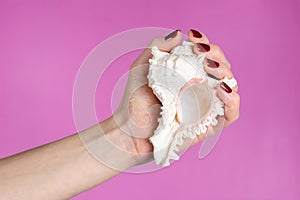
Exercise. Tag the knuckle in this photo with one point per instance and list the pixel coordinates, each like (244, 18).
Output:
(237, 98)
(226, 71)
(228, 65)
(218, 49)
(154, 42)
(233, 116)
(231, 102)
(218, 52)
(237, 116)
(133, 64)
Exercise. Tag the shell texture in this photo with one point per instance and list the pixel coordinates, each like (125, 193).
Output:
(188, 97)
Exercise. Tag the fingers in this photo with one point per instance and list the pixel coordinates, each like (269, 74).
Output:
(213, 52)
(218, 66)
(197, 37)
(216, 63)
(163, 43)
(231, 100)
(217, 69)
(202, 46)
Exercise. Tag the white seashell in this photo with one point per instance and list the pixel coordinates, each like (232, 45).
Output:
(177, 79)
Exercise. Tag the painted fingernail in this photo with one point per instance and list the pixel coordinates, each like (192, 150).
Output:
(212, 64)
(225, 87)
(203, 47)
(172, 35)
(196, 34)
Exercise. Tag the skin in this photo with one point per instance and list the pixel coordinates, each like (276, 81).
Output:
(64, 168)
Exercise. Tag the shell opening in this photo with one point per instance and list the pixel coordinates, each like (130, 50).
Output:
(195, 102)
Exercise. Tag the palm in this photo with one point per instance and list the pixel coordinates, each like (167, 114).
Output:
(141, 107)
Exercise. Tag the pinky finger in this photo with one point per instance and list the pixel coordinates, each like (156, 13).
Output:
(231, 100)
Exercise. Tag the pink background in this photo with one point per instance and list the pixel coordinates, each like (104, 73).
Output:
(43, 43)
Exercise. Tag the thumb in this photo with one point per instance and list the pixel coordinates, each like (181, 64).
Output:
(163, 43)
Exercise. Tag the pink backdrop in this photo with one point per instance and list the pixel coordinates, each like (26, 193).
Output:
(43, 43)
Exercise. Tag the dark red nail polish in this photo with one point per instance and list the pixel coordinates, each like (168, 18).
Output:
(196, 34)
(212, 64)
(203, 47)
(172, 35)
(225, 87)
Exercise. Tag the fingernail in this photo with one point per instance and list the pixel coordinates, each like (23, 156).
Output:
(196, 34)
(225, 87)
(203, 47)
(172, 35)
(212, 64)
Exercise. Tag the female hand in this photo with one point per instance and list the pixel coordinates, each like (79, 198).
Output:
(139, 110)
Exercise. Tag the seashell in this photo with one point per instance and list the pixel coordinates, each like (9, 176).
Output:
(188, 97)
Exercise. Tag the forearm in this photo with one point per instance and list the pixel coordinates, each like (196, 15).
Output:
(61, 169)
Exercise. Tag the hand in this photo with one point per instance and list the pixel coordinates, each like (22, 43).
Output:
(139, 110)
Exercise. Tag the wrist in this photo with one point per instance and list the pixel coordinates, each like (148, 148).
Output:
(120, 140)
(125, 136)
(109, 144)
